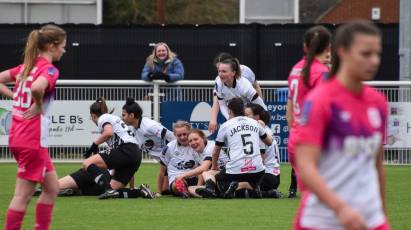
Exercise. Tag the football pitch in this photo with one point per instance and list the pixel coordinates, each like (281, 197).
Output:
(170, 212)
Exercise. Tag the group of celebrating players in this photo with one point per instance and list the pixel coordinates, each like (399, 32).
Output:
(336, 139)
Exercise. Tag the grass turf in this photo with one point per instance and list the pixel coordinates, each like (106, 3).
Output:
(175, 213)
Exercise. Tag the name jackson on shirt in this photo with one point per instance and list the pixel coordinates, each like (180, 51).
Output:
(243, 127)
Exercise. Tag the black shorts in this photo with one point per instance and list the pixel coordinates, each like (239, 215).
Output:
(125, 160)
(224, 179)
(269, 182)
(86, 184)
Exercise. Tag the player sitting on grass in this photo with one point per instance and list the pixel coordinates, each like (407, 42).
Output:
(178, 157)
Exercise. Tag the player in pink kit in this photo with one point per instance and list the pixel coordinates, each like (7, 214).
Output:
(339, 147)
(304, 76)
(34, 81)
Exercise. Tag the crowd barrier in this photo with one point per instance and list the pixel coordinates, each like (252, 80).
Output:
(72, 131)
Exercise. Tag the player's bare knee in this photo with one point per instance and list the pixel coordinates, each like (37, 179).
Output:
(23, 198)
(51, 190)
(86, 163)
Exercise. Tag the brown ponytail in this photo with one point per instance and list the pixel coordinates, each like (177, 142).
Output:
(37, 41)
(316, 39)
(30, 53)
(99, 107)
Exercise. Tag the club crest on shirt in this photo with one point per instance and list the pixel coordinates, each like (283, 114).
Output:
(325, 75)
(51, 71)
(374, 117)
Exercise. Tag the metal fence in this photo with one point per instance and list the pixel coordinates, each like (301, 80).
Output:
(187, 91)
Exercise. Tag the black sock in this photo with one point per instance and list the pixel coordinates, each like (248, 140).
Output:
(128, 193)
(293, 185)
(100, 176)
(242, 193)
(166, 192)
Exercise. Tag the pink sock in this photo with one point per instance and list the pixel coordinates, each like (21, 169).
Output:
(13, 219)
(43, 216)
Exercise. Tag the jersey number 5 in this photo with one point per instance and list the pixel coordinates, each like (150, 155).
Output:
(248, 145)
(294, 87)
(22, 96)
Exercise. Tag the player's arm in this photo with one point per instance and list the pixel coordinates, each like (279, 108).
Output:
(223, 108)
(5, 77)
(38, 88)
(289, 113)
(197, 171)
(105, 135)
(160, 177)
(263, 155)
(257, 88)
(219, 143)
(381, 176)
(212, 126)
(169, 136)
(254, 96)
(267, 139)
(216, 155)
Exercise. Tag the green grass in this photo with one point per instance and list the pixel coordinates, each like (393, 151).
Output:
(175, 213)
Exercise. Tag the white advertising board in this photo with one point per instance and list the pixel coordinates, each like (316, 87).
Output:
(399, 125)
(70, 122)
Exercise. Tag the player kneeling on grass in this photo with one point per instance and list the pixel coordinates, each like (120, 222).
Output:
(178, 157)
(124, 157)
(241, 135)
(270, 155)
(151, 136)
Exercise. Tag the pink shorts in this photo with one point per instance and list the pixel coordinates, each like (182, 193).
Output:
(32, 163)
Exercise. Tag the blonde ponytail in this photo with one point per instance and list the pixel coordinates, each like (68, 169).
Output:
(30, 53)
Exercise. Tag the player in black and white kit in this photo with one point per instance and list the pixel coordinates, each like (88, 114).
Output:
(178, 157)
(229, 85)
(242, 136)
(204, 148)
(246, 71)
(125, 155)
(150, 135)
(270, 155)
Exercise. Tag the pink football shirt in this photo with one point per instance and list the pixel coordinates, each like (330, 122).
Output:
(349, 129)
(298, 90)
(31, 133)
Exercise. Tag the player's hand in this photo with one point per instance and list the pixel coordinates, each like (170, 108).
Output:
(212, 126)
(351, 219)
(92, 149)
(33, 111)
